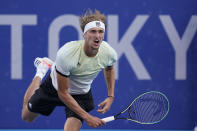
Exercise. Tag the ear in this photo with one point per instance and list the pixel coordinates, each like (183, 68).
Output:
(85, 35)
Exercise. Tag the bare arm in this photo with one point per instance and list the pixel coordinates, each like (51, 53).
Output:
(67, 99)
(110, 81)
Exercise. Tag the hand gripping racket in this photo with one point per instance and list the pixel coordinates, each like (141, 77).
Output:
(148, 108)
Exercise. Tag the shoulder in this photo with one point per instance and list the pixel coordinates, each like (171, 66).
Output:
(69, 47)
(68, 54)
(108, 50)
(107, 54)
(106, 46)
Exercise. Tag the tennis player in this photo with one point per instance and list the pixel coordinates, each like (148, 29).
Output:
(69, 84)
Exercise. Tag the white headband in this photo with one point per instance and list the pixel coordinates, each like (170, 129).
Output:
(93, 24)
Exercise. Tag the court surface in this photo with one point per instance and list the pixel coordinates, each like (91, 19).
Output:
(84, 130)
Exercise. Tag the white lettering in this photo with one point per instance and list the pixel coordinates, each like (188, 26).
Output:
(16, 22)
(125, 44)
(179, 44)
(122, 46)
(55, 28)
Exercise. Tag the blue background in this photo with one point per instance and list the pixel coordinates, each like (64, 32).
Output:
(151, 44)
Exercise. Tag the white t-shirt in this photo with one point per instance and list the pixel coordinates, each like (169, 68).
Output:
(72, 61)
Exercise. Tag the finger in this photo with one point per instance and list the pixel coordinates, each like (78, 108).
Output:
(95, 125)
(99, 123)
(105, 109)
(101, 104)
(103, 122)
(102, 111)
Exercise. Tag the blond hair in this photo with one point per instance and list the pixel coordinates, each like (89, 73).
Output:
(90, 16)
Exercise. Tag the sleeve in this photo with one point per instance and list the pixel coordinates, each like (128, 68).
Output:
(62, 63)
(113, 57)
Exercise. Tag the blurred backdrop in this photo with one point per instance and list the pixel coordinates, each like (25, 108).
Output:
(155, 40)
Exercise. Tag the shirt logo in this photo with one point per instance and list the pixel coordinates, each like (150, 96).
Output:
(78, 64)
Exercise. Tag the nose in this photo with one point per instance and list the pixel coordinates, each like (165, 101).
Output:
(97, 34)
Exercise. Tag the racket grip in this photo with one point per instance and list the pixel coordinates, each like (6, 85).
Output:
(108, 119)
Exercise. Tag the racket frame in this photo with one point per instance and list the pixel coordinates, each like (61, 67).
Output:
(115, 117)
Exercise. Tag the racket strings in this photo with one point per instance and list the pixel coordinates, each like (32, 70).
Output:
(150, 108)
(130, 113)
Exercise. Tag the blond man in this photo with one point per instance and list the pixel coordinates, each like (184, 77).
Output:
(69, 84)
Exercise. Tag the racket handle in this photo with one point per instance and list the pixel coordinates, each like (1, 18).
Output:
(108, 119)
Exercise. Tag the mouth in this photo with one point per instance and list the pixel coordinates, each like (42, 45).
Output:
(96, 41)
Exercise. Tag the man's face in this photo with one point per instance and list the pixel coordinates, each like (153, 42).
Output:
(93, 37)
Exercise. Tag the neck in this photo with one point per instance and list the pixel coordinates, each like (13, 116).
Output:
(89, 51)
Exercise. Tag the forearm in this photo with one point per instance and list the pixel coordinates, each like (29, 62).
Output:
(110, 80)
(69, 101)
(66, 98)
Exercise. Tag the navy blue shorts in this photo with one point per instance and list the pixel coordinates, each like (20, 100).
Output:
(45, 99)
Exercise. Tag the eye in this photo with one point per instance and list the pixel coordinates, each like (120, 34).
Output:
(101, 31)
(93, 31)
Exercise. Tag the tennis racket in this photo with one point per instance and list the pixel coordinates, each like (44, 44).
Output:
(148, 108)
